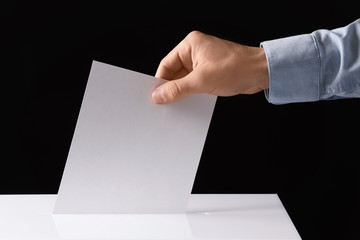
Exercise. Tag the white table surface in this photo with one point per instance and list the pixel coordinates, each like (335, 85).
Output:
(209, 216)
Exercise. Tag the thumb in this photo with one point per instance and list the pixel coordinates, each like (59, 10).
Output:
(173, 90)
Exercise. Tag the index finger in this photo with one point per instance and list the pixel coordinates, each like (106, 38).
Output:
(176, 60)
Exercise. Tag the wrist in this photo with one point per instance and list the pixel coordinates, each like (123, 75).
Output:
(263, 69)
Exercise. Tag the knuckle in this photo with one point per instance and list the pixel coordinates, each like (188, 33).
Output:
(193, 35)
(164, 63)
(175, 90)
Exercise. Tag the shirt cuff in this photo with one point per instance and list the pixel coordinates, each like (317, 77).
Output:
(294, 69)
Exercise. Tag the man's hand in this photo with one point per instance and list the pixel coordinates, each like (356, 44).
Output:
(205, 64)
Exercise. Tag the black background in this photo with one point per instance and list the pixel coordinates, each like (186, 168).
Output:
(307, 153)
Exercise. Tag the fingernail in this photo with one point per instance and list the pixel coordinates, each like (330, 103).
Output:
(157, 96)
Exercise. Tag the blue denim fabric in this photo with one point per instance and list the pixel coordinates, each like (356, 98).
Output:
(322, 65)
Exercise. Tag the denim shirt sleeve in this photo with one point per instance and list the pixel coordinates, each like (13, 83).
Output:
(318, 66)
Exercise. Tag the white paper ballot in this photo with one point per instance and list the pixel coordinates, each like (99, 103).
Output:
(128, 154)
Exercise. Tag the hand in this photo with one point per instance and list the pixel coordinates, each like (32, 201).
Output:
(205, 64)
